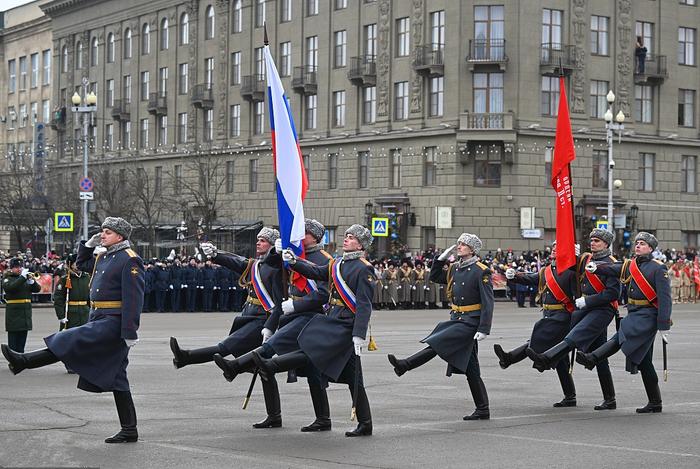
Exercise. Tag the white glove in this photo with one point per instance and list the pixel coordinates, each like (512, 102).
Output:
(386, 287)
(64, 321)
(94, 241)
(479, 336)
(184, 285)
(414, 287)
(208, 249)
(446, 253)
(171, 287)
(577, 249)
(580, 303)
(591, 267)
(288, 306)
(358, 343)
(289, 256)
(278, 245)
(24, 272)
(399, 287)
(266, 333)
(665, 335)
(30, 281)
(99, 250)
(130, 342)
(510, 274)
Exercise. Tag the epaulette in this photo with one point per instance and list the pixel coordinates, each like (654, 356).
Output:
(482, 266)
(328, 256)
(130, 252)
(365, 261)
(612, 259)
(658, 262)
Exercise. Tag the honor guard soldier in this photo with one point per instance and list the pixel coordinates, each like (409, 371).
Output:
(189, 285)
(72, 296)
(333, 343)
(419, 285)
(405, 284)
(98, 350)
(456, 341)
(649, 310)
(391, 286)
(176, 285)
(161, 285)
(298, 309)
(257, 322)
(557, 291)
(18, 284)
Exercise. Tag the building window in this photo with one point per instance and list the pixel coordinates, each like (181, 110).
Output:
(46, 62)
(489, 32)
(237, 19)
(362, 169)
(158, 180)
(341, 4)
(162, 130)
(436, 96)
(600, 169)
(488, 99)
(686, 46)
(430, 166)
(145, 82)
(127, 44)
(22, 115)
(79, 56)
(690, 239)
(260, 63)
(259, 13)
(643, 103)
(230, 176)
(143, 133)
(23, 73)
(687, 2)
(184, 29)
(12, 74)
(339, 108)
(395, 168)
(370, 39)
(311, 7)
(64, 59)
(235, 68)
(164, 34)
(369, 105)
(253, 175)
(110, 93)
(401, 100)
(258, 118)
(551, 31)
(46, 111)
(182, 127)
(126, 88)
(235, 120)
(182, 78)
(33, 113)
(209, 25)
(686, 108)
(437, 29)
(163, 82)
(599, 104)
(110, 48)
(306, 160)
(177, 179)
(599, 35)
(126, 135)
(340, 39)
(646, 171)
(208, 125)
(550, 95)
(34, 76)
(312, 52)
(311, 104)
(94, 52)
(285, 59)
(285, 11)
(145, 39)
(488, 159)
(333, 171)
(109, 136)
(209, 72)
(646, 31)
(403, 37)
(689, 174)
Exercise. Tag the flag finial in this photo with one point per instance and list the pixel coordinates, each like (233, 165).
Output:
(267, 43)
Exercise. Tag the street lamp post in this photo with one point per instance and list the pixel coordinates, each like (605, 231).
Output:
(85, 106)
(610, 128)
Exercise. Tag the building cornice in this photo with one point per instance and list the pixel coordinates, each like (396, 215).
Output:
(62, 7)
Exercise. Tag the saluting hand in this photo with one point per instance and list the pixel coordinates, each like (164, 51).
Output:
(446, 253)
(94, 241)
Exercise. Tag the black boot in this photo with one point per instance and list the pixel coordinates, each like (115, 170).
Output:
(233, 368)
(191, 357)
(363, 413)
(272, 405)
(567, 385)
(608, 388)
(505, 359)
(127, 419)
(414, 361)
(651, 386)
(590, 360)
(481, 400)
(319, 398)
(551, 357)
(20, 361)
(286, 362)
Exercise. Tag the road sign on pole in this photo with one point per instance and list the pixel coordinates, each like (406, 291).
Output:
(602, 225)
(63, 221)
(380, 227)
(86, 184)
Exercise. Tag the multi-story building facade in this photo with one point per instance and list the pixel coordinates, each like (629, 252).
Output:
(437, 114)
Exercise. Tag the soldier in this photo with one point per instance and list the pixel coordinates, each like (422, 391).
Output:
(208, 283)
(257, 322)
(18, 284)
(557, 291)
(328, 341)
(432, 289)
(456, 341)
(405, 284)
(377, 301)
(71, 297)
(595, 309)
(176, 285)
(223, 279)
(419, 285)
(391, 286)
(190, 285)
(98, 351)
(649, 310)
(161, 285)
(149, 279)
(298, 309)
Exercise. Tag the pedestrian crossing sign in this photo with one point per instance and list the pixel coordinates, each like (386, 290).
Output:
(380, 227)
(63, 221)
(602, 225)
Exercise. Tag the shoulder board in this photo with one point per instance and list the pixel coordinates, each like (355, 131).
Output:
(328, 256)
(613, 259)
(658, 262)
(365, 261)
(130, 252)
(481, 266)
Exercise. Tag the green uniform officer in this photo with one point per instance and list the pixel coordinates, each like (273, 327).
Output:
(18, 284)
(75, 293)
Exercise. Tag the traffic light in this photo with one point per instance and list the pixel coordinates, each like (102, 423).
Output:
(626, 238)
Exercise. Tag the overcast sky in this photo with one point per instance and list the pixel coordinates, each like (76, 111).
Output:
(9, 4)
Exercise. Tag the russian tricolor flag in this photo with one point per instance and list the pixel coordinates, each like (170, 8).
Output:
(292, 183)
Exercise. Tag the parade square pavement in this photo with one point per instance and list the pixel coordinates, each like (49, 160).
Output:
(192, 417)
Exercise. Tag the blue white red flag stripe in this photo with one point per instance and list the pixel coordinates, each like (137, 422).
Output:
(260, 290)
(345, 292)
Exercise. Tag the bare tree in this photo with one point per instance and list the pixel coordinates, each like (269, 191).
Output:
(113, 195)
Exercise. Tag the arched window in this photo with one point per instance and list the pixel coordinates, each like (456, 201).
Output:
(79, 55)
(184, 29)
(209, 25)
(94, 52)
(145, 39)
(164, 34)
(127, 44)
(110, 48)
(237, 20)
(64, 59)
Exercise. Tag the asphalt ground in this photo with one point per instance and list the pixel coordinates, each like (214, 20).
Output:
(192, 417)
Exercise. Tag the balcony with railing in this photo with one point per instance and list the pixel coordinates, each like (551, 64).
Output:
(486, 126)
(121, 110)
(203, 96)
(157, 104)
(58, 119)
(653, 72)
(487, 52)
(363, 71)
(304, 80)
(429, 60)
(253, 88)
(557, 59)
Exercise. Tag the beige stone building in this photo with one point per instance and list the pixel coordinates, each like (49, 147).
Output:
(438, 115)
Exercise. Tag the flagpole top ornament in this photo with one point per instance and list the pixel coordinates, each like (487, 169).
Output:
(265, 40)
